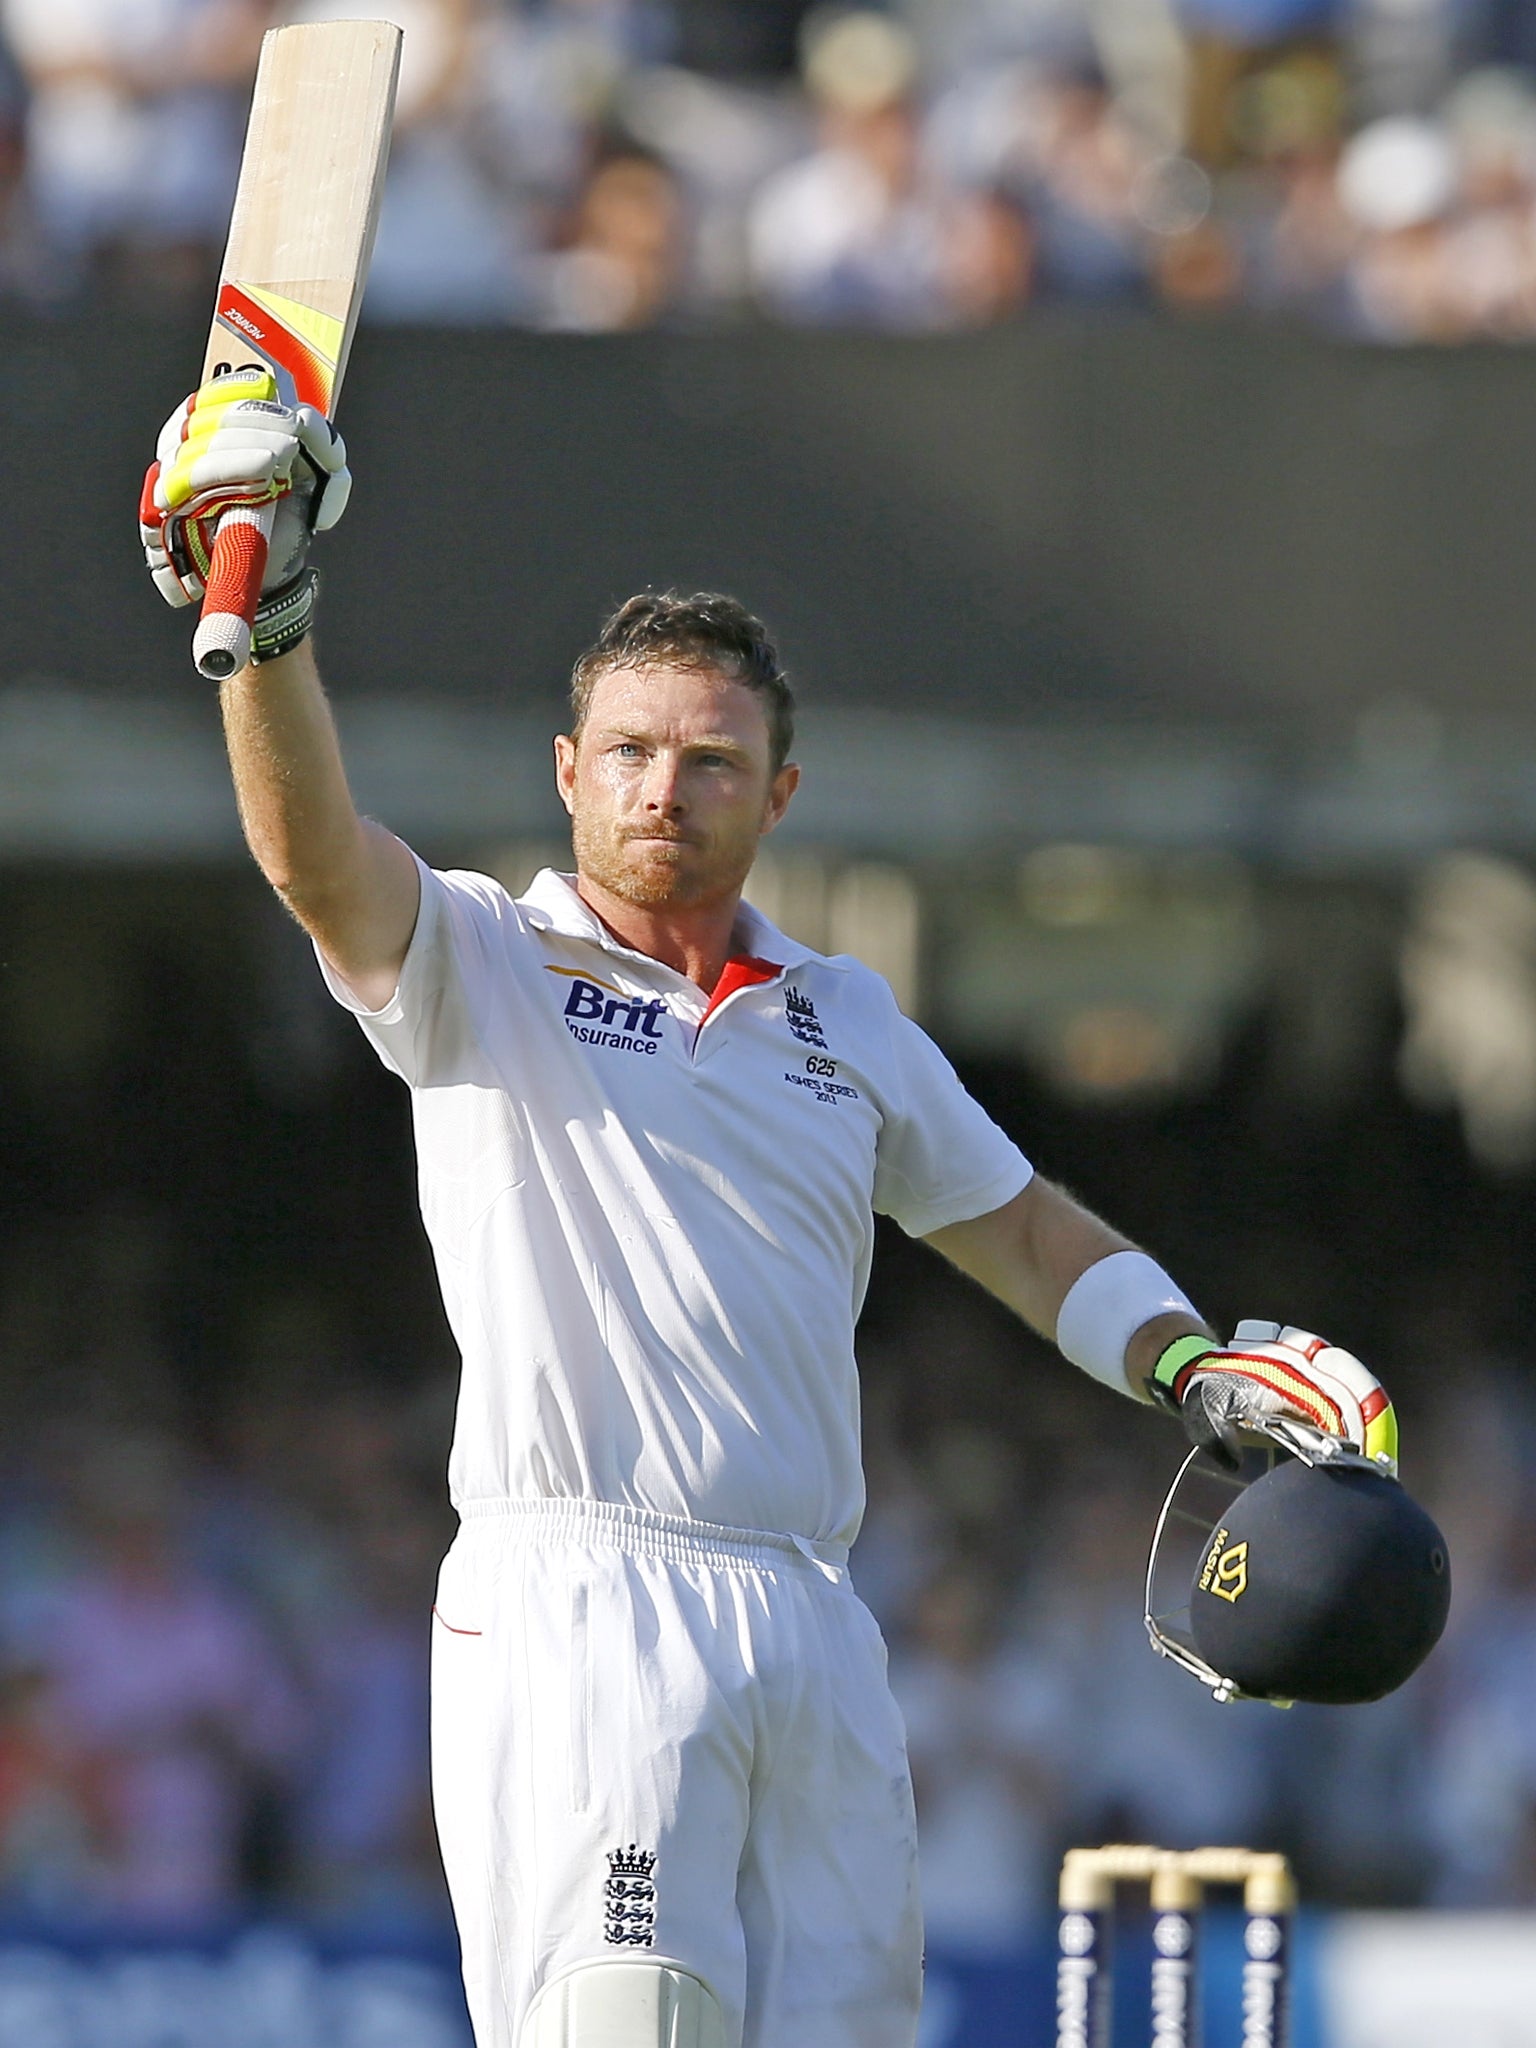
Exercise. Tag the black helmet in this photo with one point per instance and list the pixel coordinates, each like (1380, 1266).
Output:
(1322, 1580)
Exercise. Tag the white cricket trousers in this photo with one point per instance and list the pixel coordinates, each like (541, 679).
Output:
(649, 1732)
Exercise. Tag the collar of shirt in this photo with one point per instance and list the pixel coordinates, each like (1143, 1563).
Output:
(551, 904)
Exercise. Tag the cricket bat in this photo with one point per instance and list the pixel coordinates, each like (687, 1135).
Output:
(293, 273)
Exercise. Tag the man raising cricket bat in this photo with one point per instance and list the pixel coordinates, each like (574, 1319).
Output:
(653, 1133)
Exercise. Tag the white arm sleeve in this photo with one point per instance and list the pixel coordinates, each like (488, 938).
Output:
(940, 1158)
(426, 1032)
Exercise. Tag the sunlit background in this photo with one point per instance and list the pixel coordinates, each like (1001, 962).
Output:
(1164, 640)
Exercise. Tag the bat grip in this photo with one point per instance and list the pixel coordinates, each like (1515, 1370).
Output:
(221, 645)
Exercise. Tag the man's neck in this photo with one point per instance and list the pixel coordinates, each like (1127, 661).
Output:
(696, 941)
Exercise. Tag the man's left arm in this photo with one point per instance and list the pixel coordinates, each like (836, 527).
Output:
(1032, 1252)
(1113, 1311)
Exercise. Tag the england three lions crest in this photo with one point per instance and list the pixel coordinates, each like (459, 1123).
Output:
(629, 1898)
(800, 1014)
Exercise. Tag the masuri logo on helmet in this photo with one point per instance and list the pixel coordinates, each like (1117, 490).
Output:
(1327, 1582)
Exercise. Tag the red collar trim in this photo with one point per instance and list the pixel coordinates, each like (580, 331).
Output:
(744, 971)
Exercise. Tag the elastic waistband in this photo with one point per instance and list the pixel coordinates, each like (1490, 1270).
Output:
(648, 1534)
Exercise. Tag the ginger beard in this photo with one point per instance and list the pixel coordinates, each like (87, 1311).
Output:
(653, 875)
(670, 787)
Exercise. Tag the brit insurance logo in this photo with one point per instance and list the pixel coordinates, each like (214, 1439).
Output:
(596, 1013)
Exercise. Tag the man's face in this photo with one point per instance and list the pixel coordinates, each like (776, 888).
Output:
(670, 786)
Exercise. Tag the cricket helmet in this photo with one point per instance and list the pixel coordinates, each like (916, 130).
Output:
(1322, 1579)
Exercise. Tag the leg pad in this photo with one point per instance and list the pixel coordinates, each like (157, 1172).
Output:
(624, 2002)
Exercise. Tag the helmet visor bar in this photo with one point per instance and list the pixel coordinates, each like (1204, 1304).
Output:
(1201, 1490)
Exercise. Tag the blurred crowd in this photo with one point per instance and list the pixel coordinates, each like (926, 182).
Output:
(214, 1633)
(226, 1397)
(213, 1658)
(1365, 166)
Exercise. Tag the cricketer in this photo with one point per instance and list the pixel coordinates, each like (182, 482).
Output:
(653, 1133)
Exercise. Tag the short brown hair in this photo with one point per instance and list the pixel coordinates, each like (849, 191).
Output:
(663, 629)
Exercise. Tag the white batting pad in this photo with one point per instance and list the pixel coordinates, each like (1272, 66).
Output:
(625, 2002)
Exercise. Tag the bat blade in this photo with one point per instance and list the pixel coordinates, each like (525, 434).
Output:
(291, 284)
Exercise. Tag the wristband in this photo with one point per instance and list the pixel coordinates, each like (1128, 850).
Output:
(284, 617)
(1170, 1375)
(1107, 1304)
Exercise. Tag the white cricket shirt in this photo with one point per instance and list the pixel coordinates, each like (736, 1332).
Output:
(652, 1214)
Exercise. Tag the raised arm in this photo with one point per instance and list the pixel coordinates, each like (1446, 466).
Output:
(353, 886)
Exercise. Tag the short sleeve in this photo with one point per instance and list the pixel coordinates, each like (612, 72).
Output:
(940, 1158)
(426, 1032)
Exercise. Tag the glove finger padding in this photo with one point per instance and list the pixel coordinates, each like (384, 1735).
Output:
(233, 443)
(326, 452)
(231, 440)
(1271, 1370)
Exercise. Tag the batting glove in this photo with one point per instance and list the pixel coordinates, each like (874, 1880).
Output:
(1267, 1372)
(233, 443)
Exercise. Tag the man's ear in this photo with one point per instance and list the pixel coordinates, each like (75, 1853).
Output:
(565, 769)
(780, 790)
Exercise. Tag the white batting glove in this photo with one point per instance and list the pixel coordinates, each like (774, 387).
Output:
(234, 443)
(1269, 1371)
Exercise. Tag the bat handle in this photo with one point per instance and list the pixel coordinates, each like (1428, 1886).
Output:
(221, 645)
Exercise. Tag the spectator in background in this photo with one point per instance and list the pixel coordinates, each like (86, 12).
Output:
(1397, 184)
(1480, 1784)
(625, 262)
(133, 131)
(57, 1807)
(170, 1685)
(868, 229)
(991, 259)
(1482, 1792)
(1490, 123)
(983, 1735)
(363, 1835)
(1195, 262)
(362, 1838)
(1297, 236)
(1081, 162)
(1401, 59)
(552, 73)
(1055, 140)
(1197, 269)
(13, 233)
(1230, 41)
(856, 231)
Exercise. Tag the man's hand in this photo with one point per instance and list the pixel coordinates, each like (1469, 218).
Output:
(232, 443)
(1269, 1371)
